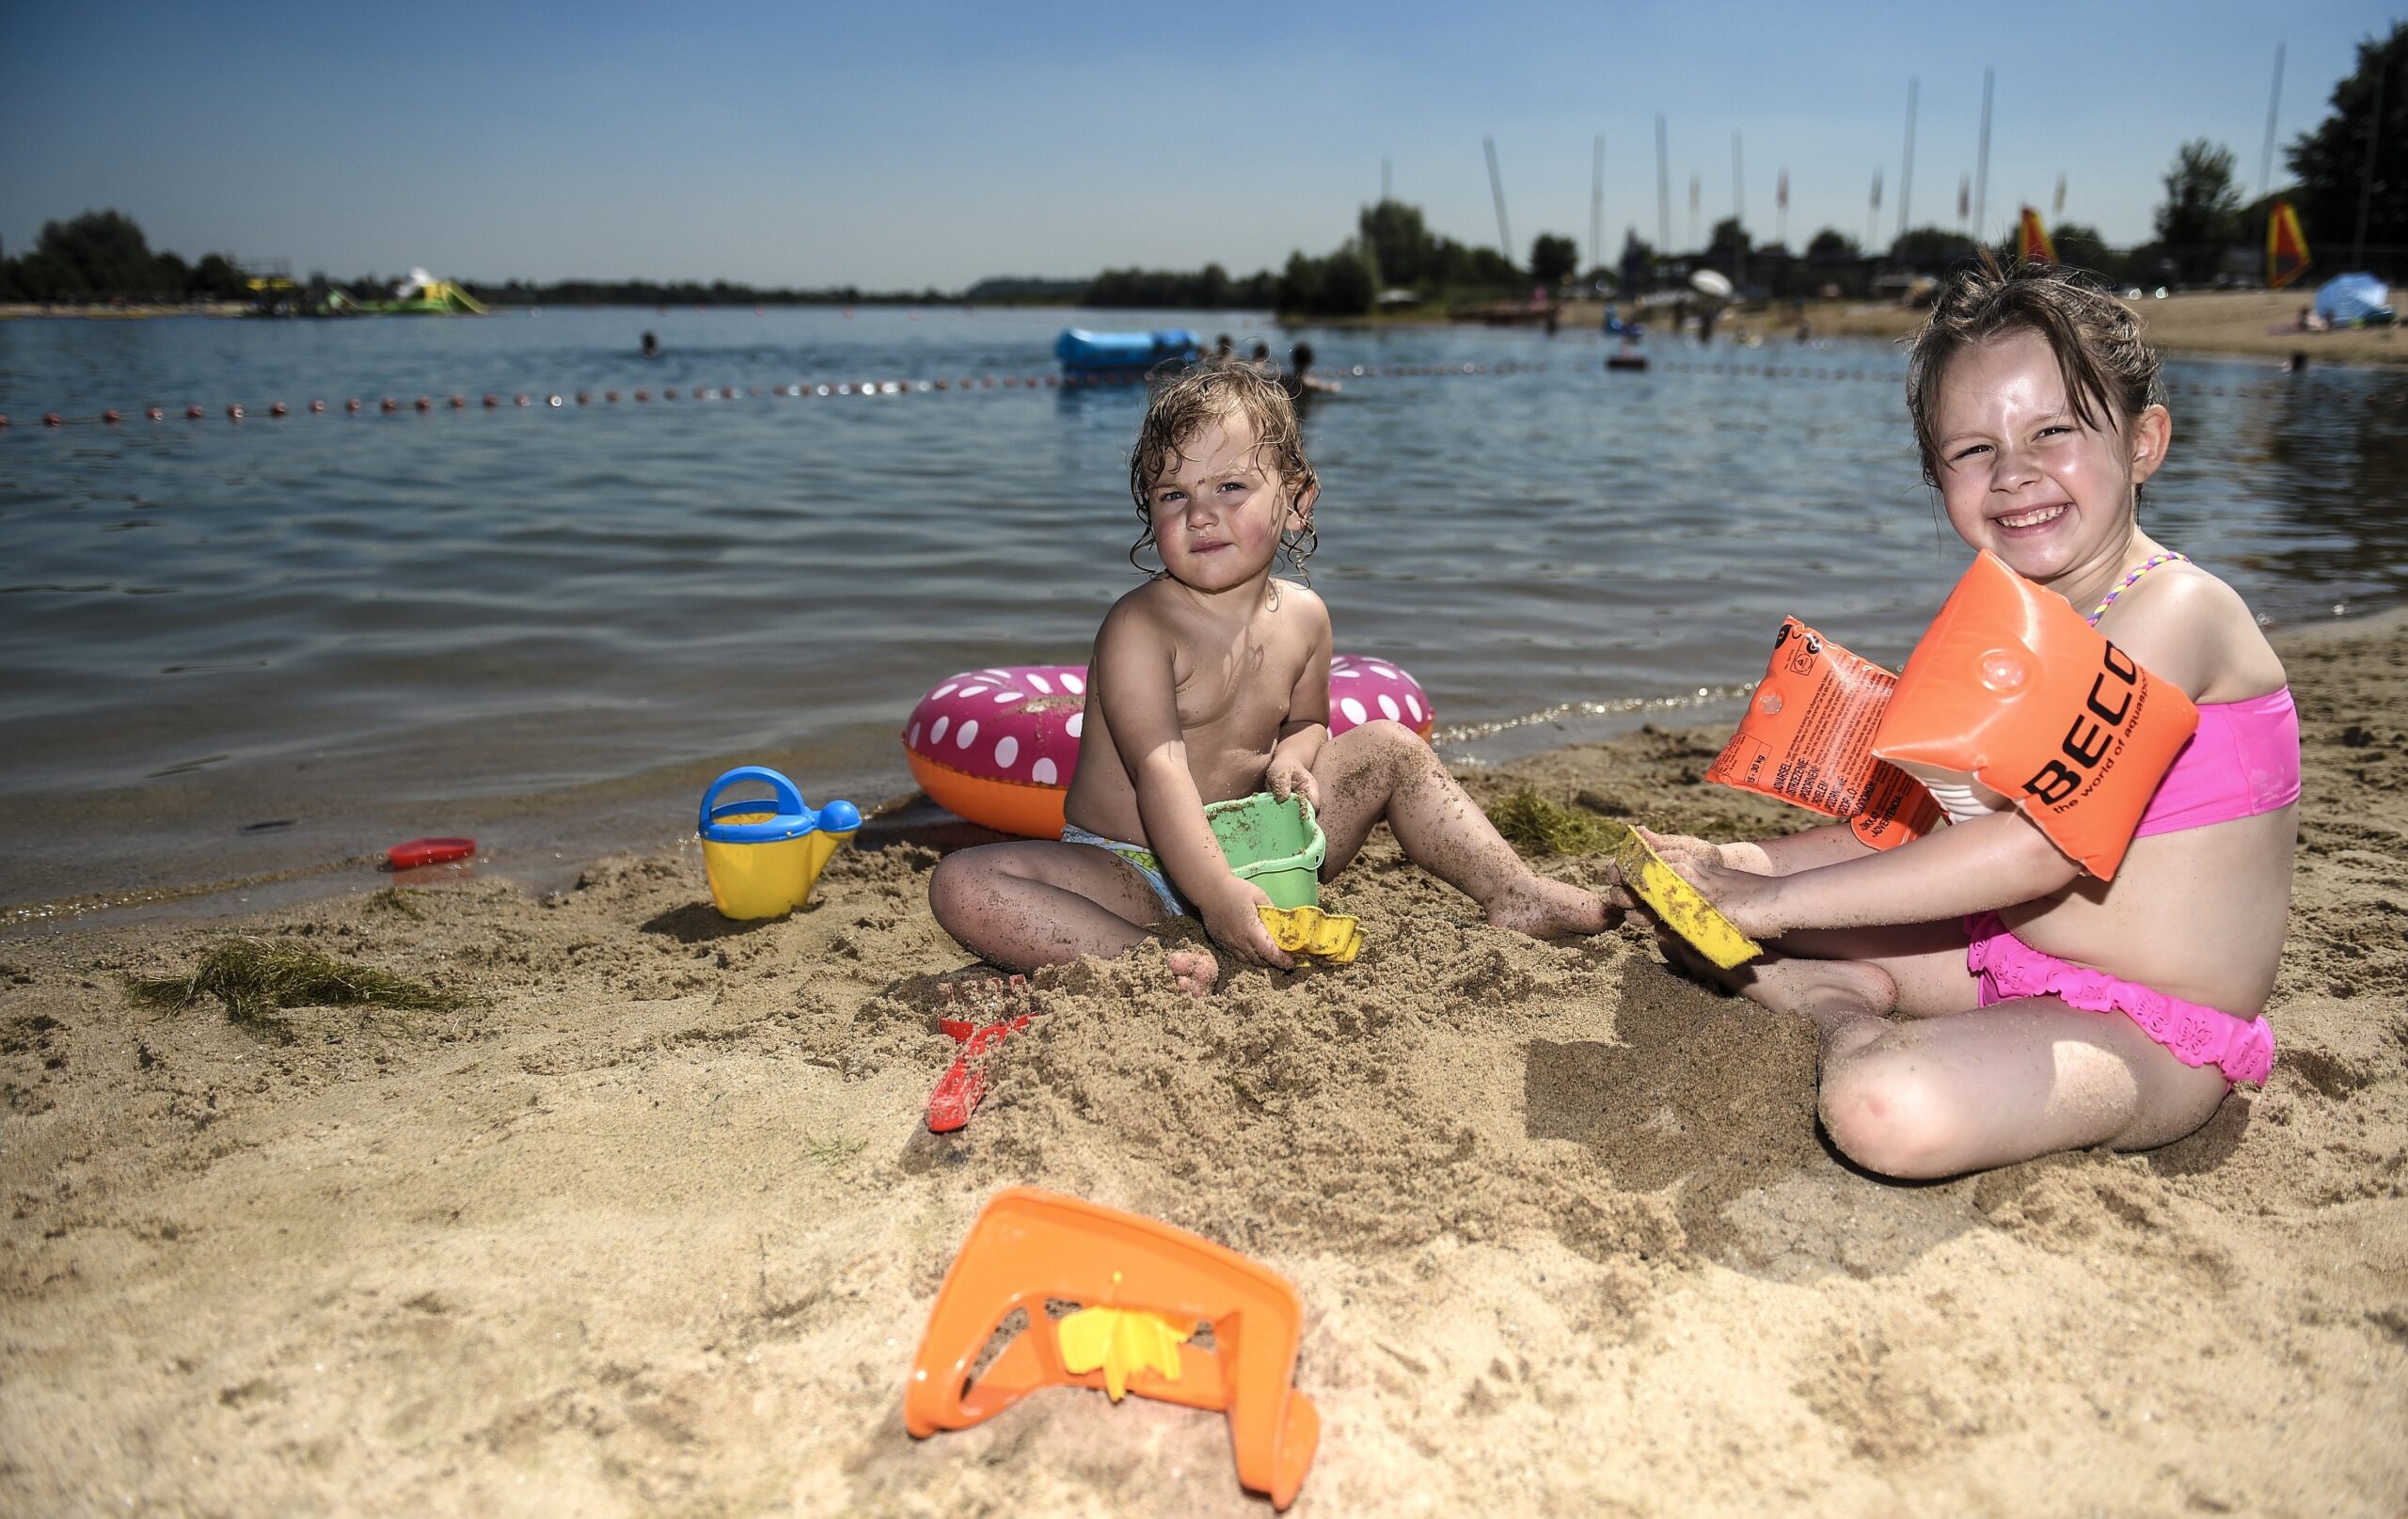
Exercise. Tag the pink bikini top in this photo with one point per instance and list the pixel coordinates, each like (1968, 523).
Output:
(2242, 761)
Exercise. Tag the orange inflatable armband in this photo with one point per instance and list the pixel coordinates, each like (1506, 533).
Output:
(2012, 689)
(1807, 737)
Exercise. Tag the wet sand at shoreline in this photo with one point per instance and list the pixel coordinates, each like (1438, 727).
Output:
(651, 1222)
(2231, 322)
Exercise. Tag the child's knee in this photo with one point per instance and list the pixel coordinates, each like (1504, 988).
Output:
(1393, 742)
(956, 880)
(1885, 1111)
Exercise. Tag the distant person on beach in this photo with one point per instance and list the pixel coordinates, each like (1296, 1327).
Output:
(1260, 356)
(1211, 682)
(1224, 351)
(651, 345)
(1981, 1000)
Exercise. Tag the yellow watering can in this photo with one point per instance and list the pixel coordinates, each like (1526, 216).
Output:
(763, 855)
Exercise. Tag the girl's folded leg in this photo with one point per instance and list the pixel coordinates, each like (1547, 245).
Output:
(1938, 1097)
(1037, 902)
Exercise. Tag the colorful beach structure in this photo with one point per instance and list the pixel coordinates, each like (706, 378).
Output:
(420, 294)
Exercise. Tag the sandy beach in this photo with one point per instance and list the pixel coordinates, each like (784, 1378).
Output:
(2237, 323)
(649, 1223)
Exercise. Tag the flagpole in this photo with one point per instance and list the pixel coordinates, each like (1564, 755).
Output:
(1981, 178)
(2366, 182)
(2273, 102)
(1907, 172)
(1497, 188)
(1663, 194)
(1597, 203)
(1739, 186)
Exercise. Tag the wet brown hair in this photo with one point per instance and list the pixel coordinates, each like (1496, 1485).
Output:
(2109, 371)
(1181, 406)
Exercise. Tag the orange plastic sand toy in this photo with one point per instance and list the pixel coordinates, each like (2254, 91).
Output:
(1029, 1245)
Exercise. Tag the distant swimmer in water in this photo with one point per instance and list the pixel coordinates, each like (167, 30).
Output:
(651, 345)
(1260, 357)
(1299, 381)
(1224, 351)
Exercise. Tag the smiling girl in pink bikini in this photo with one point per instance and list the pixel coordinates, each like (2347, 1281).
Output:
(2037, 1008)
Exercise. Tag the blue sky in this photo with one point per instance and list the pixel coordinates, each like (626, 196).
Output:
(900, 145)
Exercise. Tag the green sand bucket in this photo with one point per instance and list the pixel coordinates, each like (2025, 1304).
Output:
(1275, 845)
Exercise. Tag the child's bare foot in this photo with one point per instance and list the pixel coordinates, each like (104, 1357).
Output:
(1545, 908)
(1848, 1001)
(1195, 970)
(1831, 994)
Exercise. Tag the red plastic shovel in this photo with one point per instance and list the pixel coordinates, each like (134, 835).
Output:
(417, 852)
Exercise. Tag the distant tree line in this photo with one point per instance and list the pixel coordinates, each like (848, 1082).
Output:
(1393, 248)
(102, 255)
(2351, 153)
(1211, 289)
(669, 293)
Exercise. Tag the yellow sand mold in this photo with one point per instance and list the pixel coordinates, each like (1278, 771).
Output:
(1326, 936)
(1679, 904)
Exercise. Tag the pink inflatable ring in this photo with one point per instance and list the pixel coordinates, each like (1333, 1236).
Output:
(998, 745)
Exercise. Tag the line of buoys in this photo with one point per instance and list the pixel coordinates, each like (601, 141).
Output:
(491, 400)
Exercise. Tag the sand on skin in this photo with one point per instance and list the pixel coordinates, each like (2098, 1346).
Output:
(654, 1227)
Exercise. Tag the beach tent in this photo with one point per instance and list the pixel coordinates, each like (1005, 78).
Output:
(2347, 300)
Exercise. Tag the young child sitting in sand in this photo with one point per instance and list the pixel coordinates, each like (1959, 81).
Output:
(1211, 682)
(2039, 412)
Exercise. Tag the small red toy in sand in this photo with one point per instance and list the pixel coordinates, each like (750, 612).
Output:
(418, 852)
(963, 1087)
(1147, 1292)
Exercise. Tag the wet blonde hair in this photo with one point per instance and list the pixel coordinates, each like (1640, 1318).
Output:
(1182, 405)
(2109, 371)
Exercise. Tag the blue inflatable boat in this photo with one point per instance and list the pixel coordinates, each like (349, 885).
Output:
(1083, 352)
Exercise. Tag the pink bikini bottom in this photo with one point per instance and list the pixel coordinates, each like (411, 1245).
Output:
(2197, 1035)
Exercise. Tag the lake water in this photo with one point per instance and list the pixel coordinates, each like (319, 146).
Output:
(231, 650)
